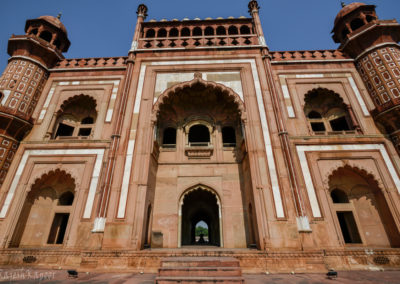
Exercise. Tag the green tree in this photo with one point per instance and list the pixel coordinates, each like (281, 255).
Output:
(201, 230)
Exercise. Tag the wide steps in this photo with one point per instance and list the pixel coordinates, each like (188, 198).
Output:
(200, 270)
(203, 280)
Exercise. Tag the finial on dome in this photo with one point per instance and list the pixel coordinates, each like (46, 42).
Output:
(253, 6)
(59, 15)
(343, 5)
(142, 11)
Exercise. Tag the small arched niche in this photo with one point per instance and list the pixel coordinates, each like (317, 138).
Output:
(199, 135)
(46, 35)
(339, 196)
(169, 137)
(228, 136)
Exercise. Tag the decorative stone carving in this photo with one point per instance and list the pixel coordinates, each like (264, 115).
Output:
(253, 6)
(142, 11)
(198, 152)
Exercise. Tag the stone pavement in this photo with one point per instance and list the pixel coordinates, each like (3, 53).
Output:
(28, 275)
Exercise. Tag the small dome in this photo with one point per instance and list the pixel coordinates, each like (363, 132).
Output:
(347, 10)
(55, 22)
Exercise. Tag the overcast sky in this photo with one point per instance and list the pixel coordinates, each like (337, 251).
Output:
(104, 28)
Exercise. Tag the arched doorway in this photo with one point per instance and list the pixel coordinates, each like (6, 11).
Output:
(200, 206)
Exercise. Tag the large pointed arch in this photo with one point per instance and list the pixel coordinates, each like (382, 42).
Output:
(197, 80)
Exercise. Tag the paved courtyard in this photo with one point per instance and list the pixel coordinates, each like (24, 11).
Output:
(25, 275)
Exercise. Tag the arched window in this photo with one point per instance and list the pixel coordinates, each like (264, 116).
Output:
(173, 32)
(345, 32)
(199, 135)
(46, 35)
(316, 121)
(209, 31)
(33, 31)
(339, 196)
(244, 30)
(233, 30)
(356, 24)
(66, 199)
(57, 43)
(169, 138)
(228, 136)
(162, 33)
(150, 33)
(326, 111)
(221, 30)
(185, 32)
(87, 120)
(197, 31)
(76, 118)
(370, 18)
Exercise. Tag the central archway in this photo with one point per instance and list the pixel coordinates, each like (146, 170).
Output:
(200, 204)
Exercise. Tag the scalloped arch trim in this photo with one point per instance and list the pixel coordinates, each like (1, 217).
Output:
(207, 84)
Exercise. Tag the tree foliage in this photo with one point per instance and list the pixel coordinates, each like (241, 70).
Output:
(201, 230)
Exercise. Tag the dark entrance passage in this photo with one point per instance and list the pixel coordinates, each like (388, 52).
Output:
(200, 205)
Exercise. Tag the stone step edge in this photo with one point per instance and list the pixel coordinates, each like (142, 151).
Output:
(198, 263)
(201, 268)
(194, 278)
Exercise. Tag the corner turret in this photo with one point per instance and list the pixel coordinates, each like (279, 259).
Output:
(373, 45)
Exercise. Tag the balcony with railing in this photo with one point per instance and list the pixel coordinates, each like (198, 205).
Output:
(190, 34)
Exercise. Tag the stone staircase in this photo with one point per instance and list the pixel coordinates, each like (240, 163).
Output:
(199, 270)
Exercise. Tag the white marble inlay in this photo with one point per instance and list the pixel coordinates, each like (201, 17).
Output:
(110, 109)
(286, 93)
(302, 149)
(264, 124)
(54, 152)
(6, 93)
(125, 181)
(358, 96)
(309, 75)
(99, 225)
(109, 114)
(290, 111)
(164, 80)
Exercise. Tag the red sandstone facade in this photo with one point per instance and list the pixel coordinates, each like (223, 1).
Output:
(288, 157)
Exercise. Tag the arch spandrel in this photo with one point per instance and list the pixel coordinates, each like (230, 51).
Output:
(197, 80)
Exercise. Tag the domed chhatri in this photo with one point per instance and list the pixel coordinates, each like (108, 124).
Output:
(347, 9)
(373, 44)
(50, 29)
(55, 21)
(350, 18)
